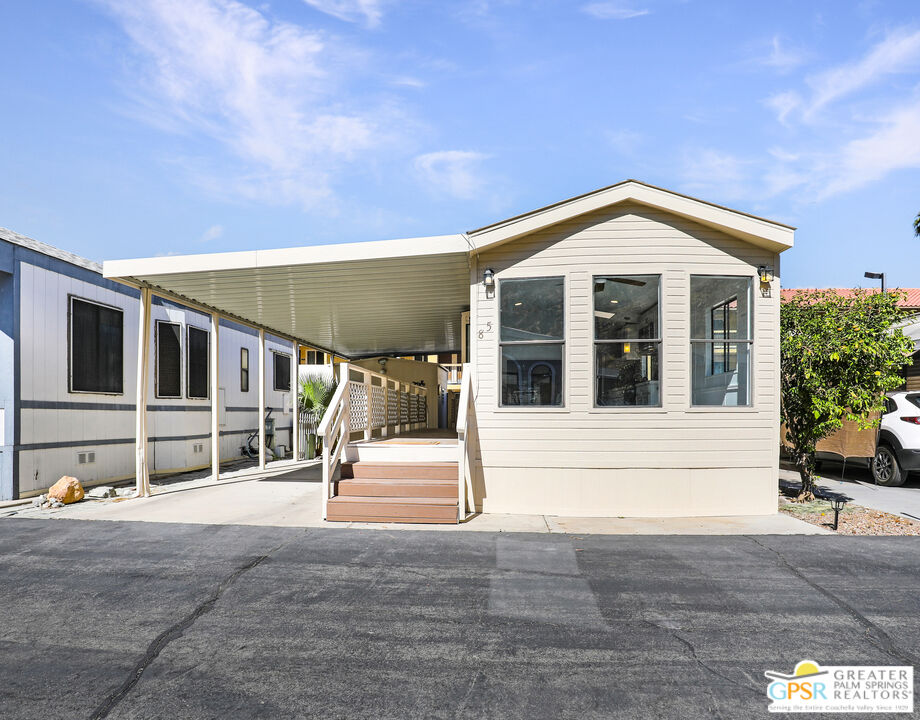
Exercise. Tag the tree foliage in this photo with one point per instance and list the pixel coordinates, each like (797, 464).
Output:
(917, 225)
(838, 357)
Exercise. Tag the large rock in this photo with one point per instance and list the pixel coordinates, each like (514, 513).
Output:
(66, 490)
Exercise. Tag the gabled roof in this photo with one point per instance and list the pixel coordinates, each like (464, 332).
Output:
(910, 302)
(768, 234)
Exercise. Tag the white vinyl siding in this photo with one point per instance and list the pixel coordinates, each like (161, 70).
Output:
(624, 240)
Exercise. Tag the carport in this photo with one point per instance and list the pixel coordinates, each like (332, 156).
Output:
(358, 299)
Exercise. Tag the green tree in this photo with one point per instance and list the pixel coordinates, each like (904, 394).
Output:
(917, 225)
(314, 395)
(838, 358)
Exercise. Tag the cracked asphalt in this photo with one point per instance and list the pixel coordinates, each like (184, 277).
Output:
(155, 620)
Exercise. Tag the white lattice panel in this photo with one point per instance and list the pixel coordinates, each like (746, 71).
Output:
(357, 405)
(378, 407)
(413, 408)
(392, 406)
(403, 407)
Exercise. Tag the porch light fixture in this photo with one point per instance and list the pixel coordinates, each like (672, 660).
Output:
(766, 273)
(488, 279)
(383, 365)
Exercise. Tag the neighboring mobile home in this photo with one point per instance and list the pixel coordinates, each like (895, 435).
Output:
(620, 348)
(68, 370)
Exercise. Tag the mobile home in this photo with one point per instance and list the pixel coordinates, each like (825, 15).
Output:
(620, 354)
(68, 370)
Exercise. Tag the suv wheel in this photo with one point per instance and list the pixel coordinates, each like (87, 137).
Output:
(885, 468)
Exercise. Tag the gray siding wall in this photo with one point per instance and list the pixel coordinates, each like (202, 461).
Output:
(585, 459)
(55, 424)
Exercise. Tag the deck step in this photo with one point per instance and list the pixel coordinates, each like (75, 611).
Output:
(400, 471)
(351, 508)
(397, 487)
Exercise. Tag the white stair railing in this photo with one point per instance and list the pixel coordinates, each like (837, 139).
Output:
(464, 463)
(367, 402)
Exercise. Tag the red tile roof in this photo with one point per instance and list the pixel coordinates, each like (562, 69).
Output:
(911, 302)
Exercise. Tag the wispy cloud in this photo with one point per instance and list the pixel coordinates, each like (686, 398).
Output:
(613, 11)
(781, 56)
(716, 173)
(899, 52)
(369, 12)
(212, 233)
(261, 88)
(452, 172)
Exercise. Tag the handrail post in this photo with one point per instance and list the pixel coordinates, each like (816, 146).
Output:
(462, 419)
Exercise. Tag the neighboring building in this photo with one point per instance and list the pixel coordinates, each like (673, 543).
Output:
(909, 303)
(68, 369)
(621, 351)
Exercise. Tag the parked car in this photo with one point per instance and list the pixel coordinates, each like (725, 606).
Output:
(898, 450)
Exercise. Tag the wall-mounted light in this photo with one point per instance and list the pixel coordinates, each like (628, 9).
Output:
(766, 273)
(488, 279)
(383, 365)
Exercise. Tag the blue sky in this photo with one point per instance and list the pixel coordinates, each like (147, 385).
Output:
(178, 126)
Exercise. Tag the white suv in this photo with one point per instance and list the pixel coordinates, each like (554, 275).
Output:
(898, 449)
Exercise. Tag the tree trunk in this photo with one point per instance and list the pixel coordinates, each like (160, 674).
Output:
(806, 472)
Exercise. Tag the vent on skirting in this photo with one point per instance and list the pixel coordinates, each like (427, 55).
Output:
(87, 457)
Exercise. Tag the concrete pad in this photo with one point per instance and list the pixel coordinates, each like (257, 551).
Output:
(294, 499)
(779, 524)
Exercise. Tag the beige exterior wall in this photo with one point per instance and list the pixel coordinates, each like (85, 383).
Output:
(668, 461)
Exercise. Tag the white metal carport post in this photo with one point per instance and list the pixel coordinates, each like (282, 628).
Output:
(295, 409)
(141, 470)
(261, 399)
(215, 396)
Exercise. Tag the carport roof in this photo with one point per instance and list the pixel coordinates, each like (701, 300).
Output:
(354, 299)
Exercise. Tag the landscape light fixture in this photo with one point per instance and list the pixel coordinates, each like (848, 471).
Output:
(488, 279)
(837, 503)
(765, 272)
(876, 276)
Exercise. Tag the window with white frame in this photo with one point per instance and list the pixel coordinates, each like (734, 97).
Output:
(168, 359)
(197, 346)
(721, 339)
(96, 336)
(532, 341)
(627, 340)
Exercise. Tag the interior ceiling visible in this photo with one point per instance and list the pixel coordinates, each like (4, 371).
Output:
(361, 307)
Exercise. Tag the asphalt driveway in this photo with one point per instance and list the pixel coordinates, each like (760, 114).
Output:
(152, 620)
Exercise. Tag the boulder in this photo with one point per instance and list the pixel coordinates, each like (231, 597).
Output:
(66, 490)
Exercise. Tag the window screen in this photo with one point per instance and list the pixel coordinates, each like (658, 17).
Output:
(282, 371)
(169, 360)
(96, 348)
(197, 362)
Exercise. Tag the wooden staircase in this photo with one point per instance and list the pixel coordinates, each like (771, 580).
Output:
(395, 484)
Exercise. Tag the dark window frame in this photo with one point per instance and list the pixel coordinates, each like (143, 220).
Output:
(563, 341)
(71, 298)
(188, 363)
(748, 340)
(244, 370)
(275, 355)
(636, 341)
(156, 363)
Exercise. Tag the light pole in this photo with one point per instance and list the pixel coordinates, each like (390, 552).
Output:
(876, 276)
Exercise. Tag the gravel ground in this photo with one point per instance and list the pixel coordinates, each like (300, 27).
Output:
(854, 519)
